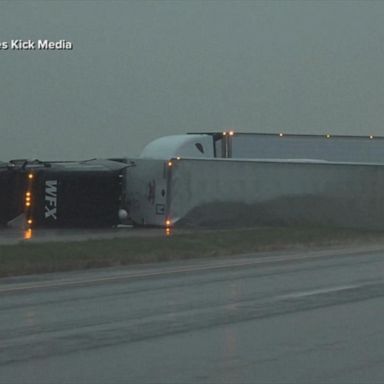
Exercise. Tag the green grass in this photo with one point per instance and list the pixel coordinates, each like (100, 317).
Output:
(29, 257)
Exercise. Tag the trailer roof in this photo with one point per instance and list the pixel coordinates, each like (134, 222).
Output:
(282, 134)
(276, 160)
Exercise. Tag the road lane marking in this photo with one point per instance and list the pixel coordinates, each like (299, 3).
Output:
(297, 295)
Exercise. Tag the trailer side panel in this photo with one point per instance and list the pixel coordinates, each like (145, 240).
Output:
(235, 192)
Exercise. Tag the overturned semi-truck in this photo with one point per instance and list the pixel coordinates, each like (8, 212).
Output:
(214, 179)
(62, 194)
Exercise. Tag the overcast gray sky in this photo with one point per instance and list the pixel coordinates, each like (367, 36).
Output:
(144, 69)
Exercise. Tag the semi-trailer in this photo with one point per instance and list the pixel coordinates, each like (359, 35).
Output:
(229, 178)
(238, 192)
(230, 144)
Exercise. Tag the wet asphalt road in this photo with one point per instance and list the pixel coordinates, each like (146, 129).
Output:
(305, 317)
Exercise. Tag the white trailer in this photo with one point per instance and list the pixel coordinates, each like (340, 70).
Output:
(220, 192)
(268, 146)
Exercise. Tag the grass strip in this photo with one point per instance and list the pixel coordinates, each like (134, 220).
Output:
(30, 258)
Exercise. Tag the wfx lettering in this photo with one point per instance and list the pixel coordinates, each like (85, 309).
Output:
(51, 199)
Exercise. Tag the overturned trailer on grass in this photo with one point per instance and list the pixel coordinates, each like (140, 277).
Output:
(222, 192)
(239, 179)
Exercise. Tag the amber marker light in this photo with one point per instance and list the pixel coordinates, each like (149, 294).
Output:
(28, 198)
(168, 229)
(28, 234)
